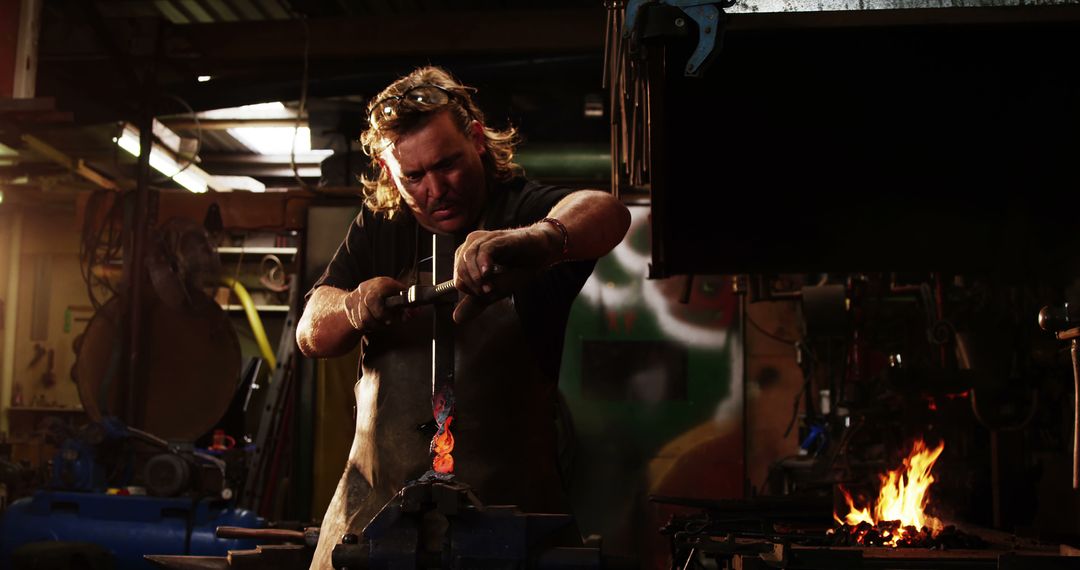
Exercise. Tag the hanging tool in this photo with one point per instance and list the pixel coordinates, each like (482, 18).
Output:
(708, 15)
(1054, 319)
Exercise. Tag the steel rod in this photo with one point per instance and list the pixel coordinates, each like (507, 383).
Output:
(1075, 350)
(442, 346)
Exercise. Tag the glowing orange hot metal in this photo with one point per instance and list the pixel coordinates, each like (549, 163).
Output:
(441, 446)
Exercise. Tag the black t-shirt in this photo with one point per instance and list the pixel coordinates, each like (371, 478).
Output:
(379, 247)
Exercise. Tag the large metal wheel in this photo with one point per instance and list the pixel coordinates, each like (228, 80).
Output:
(190, 368)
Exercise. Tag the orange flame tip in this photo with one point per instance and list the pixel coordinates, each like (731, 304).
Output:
(902, 497)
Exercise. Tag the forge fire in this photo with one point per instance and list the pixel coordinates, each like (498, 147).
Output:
(897, 517)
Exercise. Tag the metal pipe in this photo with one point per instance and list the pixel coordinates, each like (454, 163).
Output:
(11, 304)
(1048, 320)
(134, 285)
(743, 355)
(141, 225)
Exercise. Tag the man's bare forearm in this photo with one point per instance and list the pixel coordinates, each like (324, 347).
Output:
(595, 223)
(324, 330)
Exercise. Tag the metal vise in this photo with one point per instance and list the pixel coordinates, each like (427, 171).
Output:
(440, 523)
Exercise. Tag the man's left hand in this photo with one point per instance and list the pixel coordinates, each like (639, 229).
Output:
(490, 265)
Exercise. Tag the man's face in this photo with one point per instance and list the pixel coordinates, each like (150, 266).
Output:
(438, 171)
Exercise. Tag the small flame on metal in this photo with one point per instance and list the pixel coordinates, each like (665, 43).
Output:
(443, 443)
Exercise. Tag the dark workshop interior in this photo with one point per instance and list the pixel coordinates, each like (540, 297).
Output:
(842, 329)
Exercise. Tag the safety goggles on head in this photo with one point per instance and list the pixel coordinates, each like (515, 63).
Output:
(421, 95)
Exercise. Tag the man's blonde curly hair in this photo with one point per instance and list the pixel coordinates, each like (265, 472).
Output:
(380, 193)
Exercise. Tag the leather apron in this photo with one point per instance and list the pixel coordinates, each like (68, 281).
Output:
(504, 430)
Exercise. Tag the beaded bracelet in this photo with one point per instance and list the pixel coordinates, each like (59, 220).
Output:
(562, 229)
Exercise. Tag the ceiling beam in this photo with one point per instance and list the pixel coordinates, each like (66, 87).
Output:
(76, 165)
(263, 170)
(446, 33)
(189, 124)
(260, 165)
(121, 58)
(491, 74)
(257, 159)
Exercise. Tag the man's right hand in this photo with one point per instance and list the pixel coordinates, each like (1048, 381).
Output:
(365, 306)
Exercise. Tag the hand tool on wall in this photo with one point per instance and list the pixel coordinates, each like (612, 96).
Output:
(1063, 323)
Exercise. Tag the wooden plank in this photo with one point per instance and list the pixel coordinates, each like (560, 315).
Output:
(37, 104)
(25, 105)
(240, 210)
(189, 562)
(75, 165)
(41, 117)
(9, 34)
(444, 33)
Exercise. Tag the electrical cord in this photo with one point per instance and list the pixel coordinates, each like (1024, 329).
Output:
(769, 473)
(795, 408)
(303, 105)
(98, 249)
(1016, 426)
(85, 268)
(808, 374)
(198, 133)
(155, 440)
(156, 180)
(768, 334)
(845, 440)
(273, 275)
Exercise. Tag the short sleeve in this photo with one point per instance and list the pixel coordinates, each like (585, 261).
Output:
(352, 263)
(522, 202)
(536, 202)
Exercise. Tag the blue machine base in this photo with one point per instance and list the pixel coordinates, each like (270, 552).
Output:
(129, 527)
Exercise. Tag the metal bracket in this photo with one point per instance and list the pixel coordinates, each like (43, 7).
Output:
(707, 15)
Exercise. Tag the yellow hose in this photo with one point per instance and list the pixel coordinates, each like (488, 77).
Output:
(257, 329)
